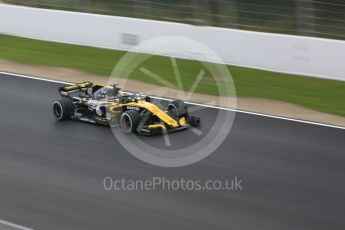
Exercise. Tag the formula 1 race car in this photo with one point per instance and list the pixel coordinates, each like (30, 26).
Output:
(109, 105)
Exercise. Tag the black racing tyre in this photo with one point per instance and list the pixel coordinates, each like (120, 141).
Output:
(129, 121)
(148, 99)
(178, 108)
(63, 109)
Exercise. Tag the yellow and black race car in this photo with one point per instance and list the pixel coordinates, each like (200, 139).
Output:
(109, 105)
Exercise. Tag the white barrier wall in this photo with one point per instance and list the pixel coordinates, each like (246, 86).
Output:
(283, 53)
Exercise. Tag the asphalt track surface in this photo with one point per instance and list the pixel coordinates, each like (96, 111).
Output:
(51, 173)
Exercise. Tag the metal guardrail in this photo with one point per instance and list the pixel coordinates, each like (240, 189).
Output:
(319, 18)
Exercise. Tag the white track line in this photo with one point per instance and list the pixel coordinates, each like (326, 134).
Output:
(198, 104)
(12, 226)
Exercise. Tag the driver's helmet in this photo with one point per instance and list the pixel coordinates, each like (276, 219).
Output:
(107, 92)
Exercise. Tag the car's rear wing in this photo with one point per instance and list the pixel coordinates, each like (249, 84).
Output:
(64, 91)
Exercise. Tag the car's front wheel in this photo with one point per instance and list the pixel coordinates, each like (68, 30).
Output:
(178, 109)
(129, 121)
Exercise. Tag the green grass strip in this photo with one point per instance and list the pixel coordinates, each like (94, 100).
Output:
(313, 93)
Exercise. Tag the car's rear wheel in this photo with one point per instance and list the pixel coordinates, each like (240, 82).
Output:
(129, 121)
(63, 109)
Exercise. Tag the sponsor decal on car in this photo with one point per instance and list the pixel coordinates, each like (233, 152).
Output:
(133, 108)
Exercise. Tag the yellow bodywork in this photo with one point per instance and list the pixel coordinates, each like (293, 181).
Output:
(148, 106)
(77, 86)
(182, 121)
(157, 126)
